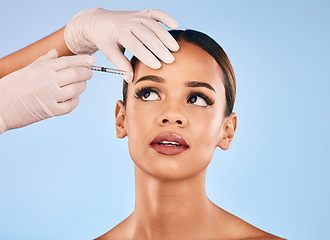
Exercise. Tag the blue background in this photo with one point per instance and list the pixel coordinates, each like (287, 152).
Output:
(69, 177)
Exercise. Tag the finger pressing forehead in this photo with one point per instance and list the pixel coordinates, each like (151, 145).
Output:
(72, 61)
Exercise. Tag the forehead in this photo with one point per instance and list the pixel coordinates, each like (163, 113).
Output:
(192, 63)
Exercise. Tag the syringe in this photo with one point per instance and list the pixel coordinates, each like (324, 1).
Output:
(110, 70)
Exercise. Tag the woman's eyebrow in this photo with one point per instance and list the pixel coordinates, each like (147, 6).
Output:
(158, 79)
(150, 78)
(199, 84)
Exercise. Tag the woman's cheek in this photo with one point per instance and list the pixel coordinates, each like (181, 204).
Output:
(208, 126)
(140, 116)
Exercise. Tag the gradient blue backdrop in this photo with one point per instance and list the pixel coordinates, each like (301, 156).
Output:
(70, 177)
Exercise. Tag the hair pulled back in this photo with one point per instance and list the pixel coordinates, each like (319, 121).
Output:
(215, 50)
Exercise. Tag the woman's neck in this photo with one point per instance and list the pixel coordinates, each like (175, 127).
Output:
(173, 209)
(165, 209)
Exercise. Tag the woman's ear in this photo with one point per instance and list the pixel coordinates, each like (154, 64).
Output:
(120, 120)
(227, 131)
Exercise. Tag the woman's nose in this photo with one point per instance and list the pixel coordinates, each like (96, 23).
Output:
(172, 117)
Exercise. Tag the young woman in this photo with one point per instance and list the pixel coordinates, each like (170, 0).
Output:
(174, 118)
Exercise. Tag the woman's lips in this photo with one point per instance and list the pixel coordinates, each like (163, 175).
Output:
(169, 144)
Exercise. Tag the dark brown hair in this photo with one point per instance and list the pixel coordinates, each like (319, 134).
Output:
(215, 50)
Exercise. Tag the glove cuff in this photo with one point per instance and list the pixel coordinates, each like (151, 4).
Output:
(75, 35)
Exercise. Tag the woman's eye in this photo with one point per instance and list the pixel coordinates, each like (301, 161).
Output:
(196, 100)
(149, 95)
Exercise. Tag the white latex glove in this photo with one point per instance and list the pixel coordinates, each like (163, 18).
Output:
(112, 32)
(48, 87)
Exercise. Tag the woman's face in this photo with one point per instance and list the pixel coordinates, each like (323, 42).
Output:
(174, 116)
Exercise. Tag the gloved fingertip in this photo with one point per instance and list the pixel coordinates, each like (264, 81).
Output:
(128, 77)
(158, 66)
(154, 64)
(90, 59)
(169, 59)
(53, 52)
(175, 47)
(174, 25)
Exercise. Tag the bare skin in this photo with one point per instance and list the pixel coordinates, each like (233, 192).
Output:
(171, 201)
(27, 55)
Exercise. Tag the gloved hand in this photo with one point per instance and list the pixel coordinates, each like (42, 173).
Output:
(113, 31)
(48, 87)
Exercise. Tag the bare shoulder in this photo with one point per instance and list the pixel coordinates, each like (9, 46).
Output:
(266, 238)
(118, 232)
(113, 234)
(236, 228)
